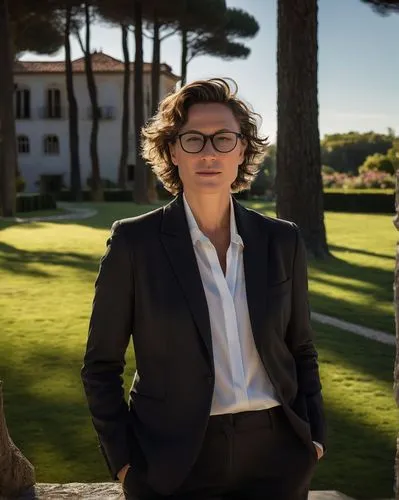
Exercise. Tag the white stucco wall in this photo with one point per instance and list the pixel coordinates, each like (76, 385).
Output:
(110, 93)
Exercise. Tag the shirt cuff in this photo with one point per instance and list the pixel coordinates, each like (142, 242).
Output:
(320, 446)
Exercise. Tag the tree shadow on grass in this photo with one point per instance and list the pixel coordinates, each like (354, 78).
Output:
(376, 291)
(379, 280)
(353, 312)
(360, 457)
(339, 248)
(365, 356)
(55, 433)
(359, 461)
(52, 426)
(19, 261)
(335, 266)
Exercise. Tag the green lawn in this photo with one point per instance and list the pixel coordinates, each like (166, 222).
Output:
(47, 271)
(356, 283)
(41, 213)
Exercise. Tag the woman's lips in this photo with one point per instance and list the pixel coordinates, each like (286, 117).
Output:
(208, 173)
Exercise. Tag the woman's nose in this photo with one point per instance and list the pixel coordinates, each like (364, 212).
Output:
(208, 149)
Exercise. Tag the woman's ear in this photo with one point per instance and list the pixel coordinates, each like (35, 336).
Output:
(172, 151)
(243, 148)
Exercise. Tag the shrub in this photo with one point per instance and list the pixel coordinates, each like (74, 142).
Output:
(374, 179)
(366, 180)
(377, 162)
(336, 180)
(326, 169)
(34, 202)
(105, 183)
(261, 183)
(20, 183)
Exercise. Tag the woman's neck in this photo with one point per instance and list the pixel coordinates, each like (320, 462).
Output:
(211, 212)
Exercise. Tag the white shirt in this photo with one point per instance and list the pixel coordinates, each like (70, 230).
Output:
(241, 381)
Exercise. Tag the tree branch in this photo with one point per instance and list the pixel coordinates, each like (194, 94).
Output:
(194, 54)
(194, 38)
(171, 33)
(147, 35)
(77, 34)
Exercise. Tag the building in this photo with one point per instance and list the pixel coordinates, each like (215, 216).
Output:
(41, 110)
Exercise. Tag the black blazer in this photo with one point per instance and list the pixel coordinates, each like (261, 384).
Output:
(149, 287)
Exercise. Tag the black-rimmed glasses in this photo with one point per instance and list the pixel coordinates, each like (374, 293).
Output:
(223, 142)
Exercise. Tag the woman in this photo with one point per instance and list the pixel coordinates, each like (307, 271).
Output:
(225, 401)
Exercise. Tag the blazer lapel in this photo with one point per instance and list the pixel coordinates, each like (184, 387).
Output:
(178, 245)
(255, 266)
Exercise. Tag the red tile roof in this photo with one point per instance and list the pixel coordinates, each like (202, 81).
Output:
(102, 63)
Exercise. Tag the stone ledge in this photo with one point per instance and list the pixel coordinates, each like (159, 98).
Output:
(113, 491)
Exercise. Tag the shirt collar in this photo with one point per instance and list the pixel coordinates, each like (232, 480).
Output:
(198, 235)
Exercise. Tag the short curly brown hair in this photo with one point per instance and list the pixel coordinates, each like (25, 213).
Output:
(162, 129)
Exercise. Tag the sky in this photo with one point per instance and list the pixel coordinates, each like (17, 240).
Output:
(358, 65)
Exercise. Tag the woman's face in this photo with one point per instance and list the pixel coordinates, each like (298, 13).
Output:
(208, 171)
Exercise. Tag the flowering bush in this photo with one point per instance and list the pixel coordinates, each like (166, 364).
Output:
(365, 180)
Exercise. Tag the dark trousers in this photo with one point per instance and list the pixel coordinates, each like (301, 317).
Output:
(245, 456)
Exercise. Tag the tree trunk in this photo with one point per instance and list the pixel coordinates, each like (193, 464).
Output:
(96, 188)
(75, 179)
(155, 82)
(140, 172)
(396, 368)
(184, 55)
(17, 474)
(156, 67)
(122, 170)
(298, 177)
(8, 151)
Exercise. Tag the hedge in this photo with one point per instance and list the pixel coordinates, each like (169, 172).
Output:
(359, 201)
(335, 200)
(34, 202)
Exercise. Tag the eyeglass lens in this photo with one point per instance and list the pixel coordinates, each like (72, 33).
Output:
(223, 142)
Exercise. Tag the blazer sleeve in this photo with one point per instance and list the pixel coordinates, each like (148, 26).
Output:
(104, 361)
(299, 339)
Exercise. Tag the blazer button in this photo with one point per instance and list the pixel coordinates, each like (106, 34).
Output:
(210, 379)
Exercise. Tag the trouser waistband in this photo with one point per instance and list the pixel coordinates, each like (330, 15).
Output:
(246, 419)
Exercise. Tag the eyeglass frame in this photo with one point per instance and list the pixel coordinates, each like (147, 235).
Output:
(238, 135)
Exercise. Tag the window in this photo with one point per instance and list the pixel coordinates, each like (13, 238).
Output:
(53, 103)
(22, 103)
(51, 145)
(23, 145)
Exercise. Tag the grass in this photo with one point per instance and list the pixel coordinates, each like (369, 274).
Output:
(356, 282)
(41, 213)
(45, 267)
(359, 190)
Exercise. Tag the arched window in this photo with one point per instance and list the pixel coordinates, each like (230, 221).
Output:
(51, 145)
(23, 145)
(53, 103)
(22, 103)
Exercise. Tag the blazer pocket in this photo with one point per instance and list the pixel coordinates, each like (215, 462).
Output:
(279, 288)
(153, 388)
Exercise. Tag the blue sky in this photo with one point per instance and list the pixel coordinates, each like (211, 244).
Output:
(358, 65)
